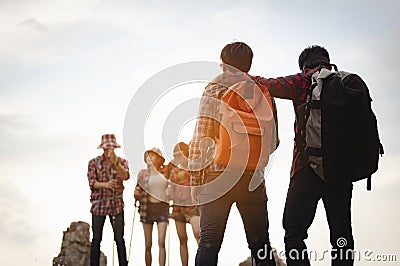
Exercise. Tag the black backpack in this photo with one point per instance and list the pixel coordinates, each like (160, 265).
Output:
(340, 130)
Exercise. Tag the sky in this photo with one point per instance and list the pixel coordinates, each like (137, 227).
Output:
(70, 71)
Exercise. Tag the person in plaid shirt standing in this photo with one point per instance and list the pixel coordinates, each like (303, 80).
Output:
(183, 211)
(106, 174)
(151, 192)
(226, 186)
(306, 188)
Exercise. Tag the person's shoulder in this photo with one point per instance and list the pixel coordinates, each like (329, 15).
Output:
(95, 159)
(213, 90)
(143, 172)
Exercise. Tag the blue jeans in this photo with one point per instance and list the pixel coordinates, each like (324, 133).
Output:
(305, 190)
(252, 206)
(118, 228)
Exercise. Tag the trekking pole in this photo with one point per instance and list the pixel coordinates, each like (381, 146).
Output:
(169, 244)
(169, 233)
(133, 222)
(113, 218)
(113, 224)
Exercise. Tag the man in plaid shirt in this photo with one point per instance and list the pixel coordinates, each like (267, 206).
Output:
(306, 188)
(106, 174)
(225, 186)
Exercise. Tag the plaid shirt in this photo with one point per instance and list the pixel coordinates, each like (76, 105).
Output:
(292, 87)
(105, 201)
(295, 88)
(181, 177)
(143, 182)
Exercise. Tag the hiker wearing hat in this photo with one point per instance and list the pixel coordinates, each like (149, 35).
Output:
(106, 174)
(151, 192)
(183, 209)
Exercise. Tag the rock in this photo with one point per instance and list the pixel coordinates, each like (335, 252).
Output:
(75, 247)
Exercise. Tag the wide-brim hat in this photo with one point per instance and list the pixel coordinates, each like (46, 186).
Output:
(108, 141)
(181, 148)
(156, 151)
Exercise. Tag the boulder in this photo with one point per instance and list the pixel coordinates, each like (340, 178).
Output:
(75, 247)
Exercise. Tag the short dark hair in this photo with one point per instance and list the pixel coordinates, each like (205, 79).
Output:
(314, 56)
(238, 55)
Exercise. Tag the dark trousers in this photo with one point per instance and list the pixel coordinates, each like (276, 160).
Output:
(118, 228)
(305, 190)
(252, 206)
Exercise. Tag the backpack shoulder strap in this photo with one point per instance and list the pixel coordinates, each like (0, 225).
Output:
(97, 165)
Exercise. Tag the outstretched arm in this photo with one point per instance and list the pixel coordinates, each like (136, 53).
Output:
(291, 87)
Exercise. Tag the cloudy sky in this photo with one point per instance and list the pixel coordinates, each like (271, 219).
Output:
(70, 69)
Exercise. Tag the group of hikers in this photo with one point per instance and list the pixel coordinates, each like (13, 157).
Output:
(153, 191)
(212, 174)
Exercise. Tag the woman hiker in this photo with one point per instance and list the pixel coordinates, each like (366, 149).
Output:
(150, 191)
(184, 212)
